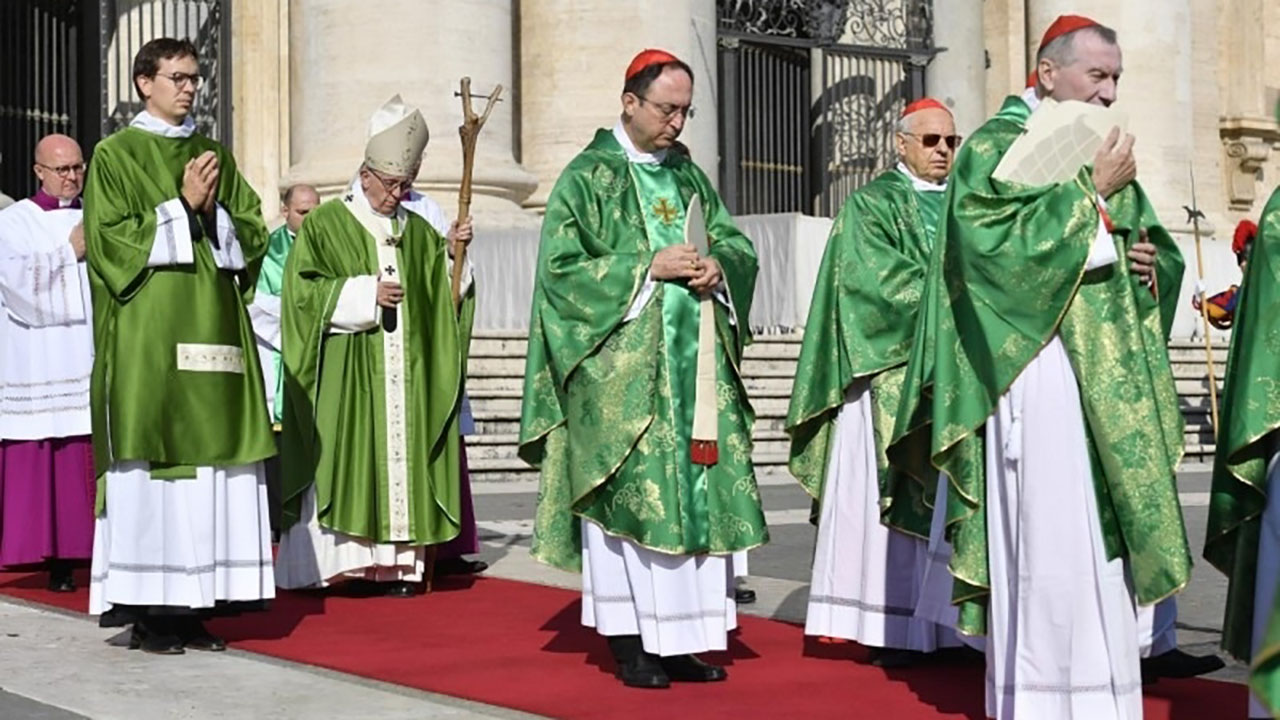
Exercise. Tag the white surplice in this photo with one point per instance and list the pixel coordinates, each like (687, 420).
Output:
(188, 542)
(867, 578)
(1062, 638)
(46, 325)
(677, 604)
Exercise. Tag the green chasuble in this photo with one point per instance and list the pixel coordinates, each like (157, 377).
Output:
(176, 378)
(1007, 274)
(371, 417)
(608, 401)
(1250, 413)
(271, 282)
(860, 324)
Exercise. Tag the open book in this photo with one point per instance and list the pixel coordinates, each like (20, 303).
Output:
(1060, 138)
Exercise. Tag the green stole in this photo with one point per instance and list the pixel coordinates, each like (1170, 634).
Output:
(1250, 414)
(664, 210)
(1008, 273)
(271, 282)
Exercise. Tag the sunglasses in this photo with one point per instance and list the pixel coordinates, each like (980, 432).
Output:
(932, 139)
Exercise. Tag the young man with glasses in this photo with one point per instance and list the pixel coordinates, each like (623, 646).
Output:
(374, 355)
(649, 514)
(868, 568)
(175, 239)
(46, 355)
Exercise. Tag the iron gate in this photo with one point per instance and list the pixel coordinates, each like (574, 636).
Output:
(124, 26)
(66, 66)
(810, 92)
(39, 83)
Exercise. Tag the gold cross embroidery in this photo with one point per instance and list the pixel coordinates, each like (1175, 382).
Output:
(666, 211)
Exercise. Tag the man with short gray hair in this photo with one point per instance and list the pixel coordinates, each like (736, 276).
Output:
(1039, 384)
(869, 563)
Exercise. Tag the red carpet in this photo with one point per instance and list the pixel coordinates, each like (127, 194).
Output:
(520, 645)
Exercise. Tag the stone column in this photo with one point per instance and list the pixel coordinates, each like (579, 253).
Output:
(1004, 30)
(348, 58)
(573, 57)
(1248, 127)
(260, 91)
(957, 76)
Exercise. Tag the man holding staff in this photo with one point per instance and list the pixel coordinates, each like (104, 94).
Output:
(374, 356)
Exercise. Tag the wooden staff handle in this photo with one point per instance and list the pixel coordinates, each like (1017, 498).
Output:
(468, 131)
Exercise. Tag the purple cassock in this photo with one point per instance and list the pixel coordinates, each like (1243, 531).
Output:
(46, 355)
(467, 542)
(46, 500)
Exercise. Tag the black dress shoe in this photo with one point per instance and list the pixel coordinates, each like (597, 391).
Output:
(400, 589)
(60, 577)
(643, 671)
(460, 566)
(1178, 664)
(891, 658)
(636, 668)
(689, 668)
(154, 641)
(744, 596)
(196, 637)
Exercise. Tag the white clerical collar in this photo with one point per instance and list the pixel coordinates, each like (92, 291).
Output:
(919, 184)
(1030, 97)
(152, 124)
(634, 154)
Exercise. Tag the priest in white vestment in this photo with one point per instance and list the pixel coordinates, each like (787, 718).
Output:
(46, 355)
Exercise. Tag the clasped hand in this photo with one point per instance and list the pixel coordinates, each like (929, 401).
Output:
(200, 182)
(682, 262)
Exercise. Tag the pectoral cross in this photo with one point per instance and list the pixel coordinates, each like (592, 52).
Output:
(666, 211)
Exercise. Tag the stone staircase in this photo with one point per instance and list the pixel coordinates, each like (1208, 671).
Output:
(497, 373)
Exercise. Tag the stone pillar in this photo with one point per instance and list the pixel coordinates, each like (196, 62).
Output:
(1248, 127)
(1004, 30)
(348, 58)
(260, 92)
(957, 76)
(573, 56)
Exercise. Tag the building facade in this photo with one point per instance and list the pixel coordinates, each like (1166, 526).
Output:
(796, 99)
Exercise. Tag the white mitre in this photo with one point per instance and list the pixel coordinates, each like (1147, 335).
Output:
(397, 137)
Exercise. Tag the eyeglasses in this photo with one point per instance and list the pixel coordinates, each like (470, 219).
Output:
(932, 139)
(181, 79)
(394, 187)
(63, 171)
(669, 111)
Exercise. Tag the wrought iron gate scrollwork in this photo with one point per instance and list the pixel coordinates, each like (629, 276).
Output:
(790, 144)
(66, 67)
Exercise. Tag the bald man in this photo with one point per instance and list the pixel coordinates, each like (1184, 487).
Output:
(295, 202)
(46, 355)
